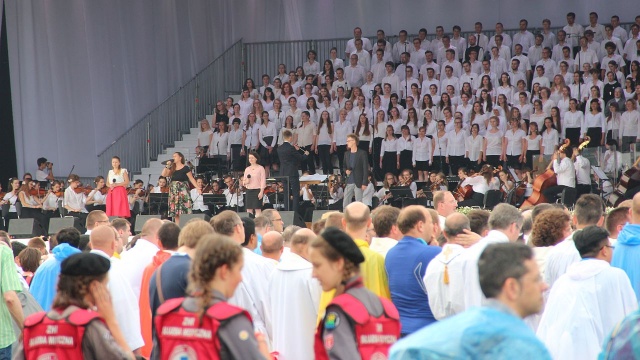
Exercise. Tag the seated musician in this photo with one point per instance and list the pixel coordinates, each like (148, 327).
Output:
(9, 200)
(406, 180)
(199, 206)
(384, 194)
(526, 177)
(505, 183)
(583, 172)
(161, 188)
(32, 206)
(137, 198)
(235, 199)
(441, 183)
(50, 202)
(74, 202)
(336, 193)
(96, 200)
(612, 159)
(480, 183)
(565, 173)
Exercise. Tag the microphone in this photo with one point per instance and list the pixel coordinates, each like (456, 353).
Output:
(114, 181)
(248, 176)
(167, 162)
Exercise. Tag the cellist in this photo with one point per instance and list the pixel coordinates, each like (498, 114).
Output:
(565, 173)
(480, 183)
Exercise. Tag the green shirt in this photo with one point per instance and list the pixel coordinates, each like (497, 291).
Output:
(9, 281)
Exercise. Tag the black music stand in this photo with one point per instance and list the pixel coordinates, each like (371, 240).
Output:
(158, 199)
(602, 178)
(213, 201)
(321, 194)
(401, 192)
(213, 165)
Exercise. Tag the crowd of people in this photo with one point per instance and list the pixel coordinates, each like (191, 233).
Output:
(404, 283)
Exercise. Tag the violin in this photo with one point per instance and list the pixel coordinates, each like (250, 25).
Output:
(164, 189)
(85, 190)
(58, 193)
(132, 191)
(103, 190)
(38, 192)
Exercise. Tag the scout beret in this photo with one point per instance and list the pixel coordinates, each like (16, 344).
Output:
(85, 264)
(343, 244)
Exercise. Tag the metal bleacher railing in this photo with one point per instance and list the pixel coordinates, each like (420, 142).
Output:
(220, 79)
(177, 114)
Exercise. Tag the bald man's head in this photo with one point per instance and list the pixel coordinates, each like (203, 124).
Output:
(272, 245)
(150, 229)
(357, 216)
(300, 242)
(455, 224)
(103, 238)
(635, 209)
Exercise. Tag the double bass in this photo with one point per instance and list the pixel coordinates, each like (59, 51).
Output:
(543, 181)
(629, 180)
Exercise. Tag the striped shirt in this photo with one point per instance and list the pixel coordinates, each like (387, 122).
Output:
(9, 281)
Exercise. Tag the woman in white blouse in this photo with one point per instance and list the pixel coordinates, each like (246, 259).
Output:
(547, 103)
(413, 122)
(492, 146)
(505, 87)
(388, 149)
(550, 139)
(205, 135)
(439, 150)
(311, 66)
(250, 137)
(322, 147)
(572, 123)
(564, 100)
(219, 142)
(430, 123)
(594, 125)
(365, 134)
(612, 125)
(379, 133)
(287, 93)
(267, 99)
(395, 121)
(473, 148)
(537, 115)
(556, 88)
(97, 197)
(268, 136)
(367, 194)
(478, 117)
(421, 154)
(532, 144)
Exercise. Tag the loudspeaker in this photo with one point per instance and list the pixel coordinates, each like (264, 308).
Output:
(22, 228)
(317, 214)
(184, 219)
(141, 220)
(245, 214)
(292, 218)
(57, 224)
(111, 218)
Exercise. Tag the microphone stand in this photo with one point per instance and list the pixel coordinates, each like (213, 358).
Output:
(440, 153)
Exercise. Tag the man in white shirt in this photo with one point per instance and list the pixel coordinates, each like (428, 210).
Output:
(448, 79)
(523, 37)
(506, 38)
(588, 211)
(583, 173)
(405, 85)
(458, 41)
(548, 64)
(535, 51)
(503, 50)
(401, 46)
(548, 35)
(467, 75)
(597, 29)
(424, 43)
(498, 64)
(609, 37)
(515, 74)
(103, 243)
(486, 70)
(450, 60)
(442, 51)
(295, 296)
(574, 31)
(556, 52)
(378, 67)
(429, 64)
(391, 78)
(445, 204)
(405, 61)
(384, 219)
(235, 199)
(417, 53)
(505, 223)
(354, 73)
(630, 51)
(429, 80)
(565, 173)
(446, 298)
(587, 301)
(481, 39)
(351, 46)
(44, 174)
(138, 257)
(540, 78)
(618, 31)
(364, 58)
(436, 43)
(525, 64)
(585, 55)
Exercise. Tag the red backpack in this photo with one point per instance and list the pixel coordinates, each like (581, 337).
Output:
(181, 332)
(45, 338)
(374, 336)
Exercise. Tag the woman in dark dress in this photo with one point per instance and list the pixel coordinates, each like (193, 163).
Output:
(179, 198)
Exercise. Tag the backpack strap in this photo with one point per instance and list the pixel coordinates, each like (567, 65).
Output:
(352, 307)
(169, 306)
(223, 311)
(82, 317)
(34, 319)
(390, 309)
(159, 284)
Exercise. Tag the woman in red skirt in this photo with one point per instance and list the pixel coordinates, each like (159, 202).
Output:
(117, 200)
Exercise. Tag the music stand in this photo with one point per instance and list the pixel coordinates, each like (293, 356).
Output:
(602, 177)
(214, 200)
(158, 199)
(401, 192)
(321, 194)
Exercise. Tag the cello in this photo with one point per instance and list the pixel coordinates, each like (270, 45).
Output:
(629, 180)
(543, 181)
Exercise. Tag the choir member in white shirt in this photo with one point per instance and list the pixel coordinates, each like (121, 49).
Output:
(323, 142)
(473, 148)
(594, 125)
(550, 139)
(205, 135)
(268, 137)
(523, 37)
(514, 150)
(389, 162)
(282, 74)
(365, 135)
(220, 142)
(421, 155)
(439, 149)
(565, 174)
(479, 118)
(629, 121)
(532, 144)
(404, 149)
(413, 121)
(585, 55)
(492, 146)
(235, 144)
(572, 123)
(455, 151)
(364, 58)
(357, 34)
(354, 73)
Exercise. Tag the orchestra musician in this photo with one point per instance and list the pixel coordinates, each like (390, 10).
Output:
(32, 206)
(583, 172)
(74, 201)
(196, 193)
(161, 188)
(565, 173)
(118, 180)
(137, 198)
(406, 180)
(235, 198)
(9, 200)
(336, 193)
(480, 182)
(506, 184)
(308, 201)
(97, 197)
(384, 194)
(50, 202)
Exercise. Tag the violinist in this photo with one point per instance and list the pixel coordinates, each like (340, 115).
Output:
(50, 202)
(32, 206)
(506, 184)
(565, 173)
(44, 174)
(526, 178)
(136, 196)
(75, 199)
(98, 196)
(384, 194)
(480, 183)
(118, 180)
(198, 200)
(161, 188)
(406, 180)
(336, 193)
(235, 199)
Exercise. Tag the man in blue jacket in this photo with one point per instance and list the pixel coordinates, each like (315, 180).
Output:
(627, 251)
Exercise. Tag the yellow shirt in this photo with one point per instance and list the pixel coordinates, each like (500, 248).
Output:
(116, 255)
(373, 273)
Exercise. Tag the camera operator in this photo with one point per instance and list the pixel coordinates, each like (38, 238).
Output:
(44, 175)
